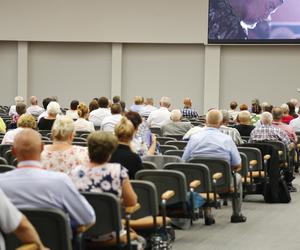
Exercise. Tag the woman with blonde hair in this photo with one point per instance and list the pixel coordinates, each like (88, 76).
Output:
(124, 155)
(62, 156)
(82, 124)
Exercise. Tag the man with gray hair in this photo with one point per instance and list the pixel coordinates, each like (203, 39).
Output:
(211, 142)
(161, 116)
(176, 126)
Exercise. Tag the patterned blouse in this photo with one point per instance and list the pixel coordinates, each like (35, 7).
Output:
(64, 161)
(108, 178)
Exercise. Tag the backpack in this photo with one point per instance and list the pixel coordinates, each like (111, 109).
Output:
(283, 195)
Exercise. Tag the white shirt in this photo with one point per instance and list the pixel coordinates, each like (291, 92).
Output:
(83, 125)
(72, 114)
(159, 117)
(35, 110)
(12, 110)
(96, 116)
(44, 114)
(146, 110)
(9, 137)
(295, 123)
(109, 122)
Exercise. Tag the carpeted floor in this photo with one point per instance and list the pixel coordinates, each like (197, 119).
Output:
(268, 226)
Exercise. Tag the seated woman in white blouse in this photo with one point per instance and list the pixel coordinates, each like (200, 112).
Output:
(82, 124)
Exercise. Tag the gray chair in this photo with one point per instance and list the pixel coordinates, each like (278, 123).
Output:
(5, 168)
(161, 160)
(179, 144)
(163, 139)
(80, 133)
(178, 152)
(149, 165)
(45, 132)
(52, 225)
(11, 159)
(79, 139)
(4, 148)
(156, 131)
(3, 161)
(176, 137)
(164, 148)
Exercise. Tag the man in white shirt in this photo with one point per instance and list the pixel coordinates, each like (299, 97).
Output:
(97, 116)
(148, 108)
(34, 109)
(109, 122)
(161, 116)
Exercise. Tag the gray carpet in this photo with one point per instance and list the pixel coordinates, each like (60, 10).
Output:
(268, 226)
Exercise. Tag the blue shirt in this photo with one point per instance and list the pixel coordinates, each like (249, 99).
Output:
(211, 142)
(30, 186)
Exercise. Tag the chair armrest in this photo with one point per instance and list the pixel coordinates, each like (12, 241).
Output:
(217, 176)
(31, 246)
(133, 209)
(280, 152)
(253, 163)
(291, 146)
(167, 195)
(268, 157)
(194, 184)
(83, 228)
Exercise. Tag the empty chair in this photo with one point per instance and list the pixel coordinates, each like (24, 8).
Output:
(174, 152)
(149, 165)
(11, 159)
(4, 148)
(164, 148)
(163, 139)
(3, 161)
(161, 160)
(52, 225)
(179, 144)
(4, 168)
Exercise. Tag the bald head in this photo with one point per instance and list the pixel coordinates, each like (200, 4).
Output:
(27, 145)
(214, 118)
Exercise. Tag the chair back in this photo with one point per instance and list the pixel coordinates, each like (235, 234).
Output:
(175, 152)
(4, 148)
(280, 146)
(176, 137)
(156, 131)
(3, 161)
(79, 133)
(166, 180)
(79, 139)
(193, 171)
(52, 226)
(179, 144)
(163, 139)
(215, 166)
(44, 132)
(149, 165)
(108, 214)
(245, 165)
(161, 160)
(252, 154)
(5, 168)
(11, 159)
(164, 148)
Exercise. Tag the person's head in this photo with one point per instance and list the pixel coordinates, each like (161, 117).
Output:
(101, 145)
(82, 110)
(116, 109)
(27, 145)
(53, 109)
(214, 118)
(285, 109)
(116, 99)
(135, 118)
(226, 117)
(244, 117)
(26, 121)
(123, 106)
(149, 101)
(124, 130)
(255, 108)
(294, 101)
(268, 108)
(291, 108)
(233, 105)
(33, 100)
(187, 102)
(165, 102)
(138, 100)
(46, 101)
(74, 104)
(21, 108)
(266, 118)
(93, 105)
(103, 102)
(243, 107)
(19, 99)
(63, 129)
(175, 115)
(277, 114)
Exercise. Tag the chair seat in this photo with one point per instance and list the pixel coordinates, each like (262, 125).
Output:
(147, 222)
(210, 196)
(256, 174)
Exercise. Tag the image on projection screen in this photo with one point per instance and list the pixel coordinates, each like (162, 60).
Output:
(254, 21)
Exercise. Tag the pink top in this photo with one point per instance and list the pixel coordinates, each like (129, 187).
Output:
(288, 129)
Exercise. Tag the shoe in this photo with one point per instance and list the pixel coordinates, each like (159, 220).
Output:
(209, 221)
(238, 218)
(292, 189)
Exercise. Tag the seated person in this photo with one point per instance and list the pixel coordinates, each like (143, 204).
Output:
(138, 104)
(159, 117)
(12, 109)
(20, 109)
(46, 123)
(187, 111)
(109, 122)
(82, 124)
(72, 112)
(124, 155)
(244, 123)
(12, 220)
(232, 132)
(233, 110)
(62, 156)
(31, 186)
(286, 118)
(34, 109)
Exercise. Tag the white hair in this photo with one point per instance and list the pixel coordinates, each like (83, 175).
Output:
(266, 118)
(53, 108)
(175, 115)
(165, 101)
(285, 108)
(62, 128)
(19, 99)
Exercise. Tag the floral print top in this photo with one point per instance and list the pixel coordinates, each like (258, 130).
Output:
(105, 178)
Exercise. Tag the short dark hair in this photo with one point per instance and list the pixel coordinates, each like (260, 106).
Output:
(46, 101)
(291, 107)
(74, 104)
(103, 102)
(116, 99)
(21, 108)
(116, 108)
(93, 105)
(135, 118)
(101, 145)
(233, 105)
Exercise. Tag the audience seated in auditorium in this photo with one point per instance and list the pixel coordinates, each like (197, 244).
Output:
(13, 221)
(46, 101)
(109, 122)
(82, 124)
(286, 118)
(25, 121)
(46, 123)
(20, 109)
(138, 104)
(233, 112)
(277, 116)
(93, 105)
(161, 116)
(12, 109)
(213, 143)
(34, 109)
(188, 111)
(72, 112)
(31, 186)
(124, 155)
(97, 115)
(148, 107)
(232, 132)
(292, 109)
(175, 126)
(62, 156)
(144, 142)
(244, 123)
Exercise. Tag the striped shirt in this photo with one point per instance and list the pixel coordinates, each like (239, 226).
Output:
(233, 133)
(189, 113)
